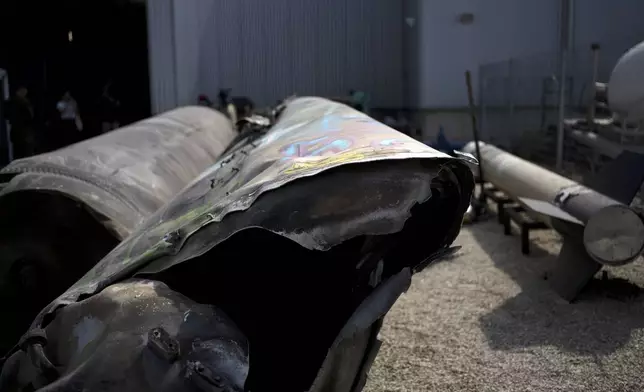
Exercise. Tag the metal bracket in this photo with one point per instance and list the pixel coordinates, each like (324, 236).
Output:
(573, 271)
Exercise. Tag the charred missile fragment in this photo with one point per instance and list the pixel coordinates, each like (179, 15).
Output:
(63, 211)
(287, 254)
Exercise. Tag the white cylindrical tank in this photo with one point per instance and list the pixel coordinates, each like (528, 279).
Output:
(626, 85)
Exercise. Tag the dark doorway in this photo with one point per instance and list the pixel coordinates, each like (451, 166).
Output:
(77, 45)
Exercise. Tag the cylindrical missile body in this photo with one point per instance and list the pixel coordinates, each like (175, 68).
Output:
(62, 211)
(516, 176)
(613, 233)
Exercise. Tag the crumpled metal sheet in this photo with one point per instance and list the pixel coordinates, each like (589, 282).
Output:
(569, 192)
(129, 173)
(173, 343)
(312, 136)
(352, 353)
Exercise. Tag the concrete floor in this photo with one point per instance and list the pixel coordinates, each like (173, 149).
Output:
(486, 321)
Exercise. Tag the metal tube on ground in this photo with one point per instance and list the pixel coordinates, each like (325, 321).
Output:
(517, 176)
(613, 233)
(63, 211)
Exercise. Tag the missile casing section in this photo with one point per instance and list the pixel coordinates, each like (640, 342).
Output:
(310, 228)
(62, 211)
(127, 174)
(613, 234)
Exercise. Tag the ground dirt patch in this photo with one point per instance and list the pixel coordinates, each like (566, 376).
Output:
(487, 321)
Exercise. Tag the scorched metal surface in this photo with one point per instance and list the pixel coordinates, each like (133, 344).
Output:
(129, 173)
(329, 207)
(63, 211)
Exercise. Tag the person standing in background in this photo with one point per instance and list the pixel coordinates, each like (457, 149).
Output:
(359, 100)
(226, 105)
(204, 100)
(110, 109)
(70, 120)
(21, 117)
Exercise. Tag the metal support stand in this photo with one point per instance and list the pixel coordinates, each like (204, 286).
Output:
(573, 271)
(573, 268)
(491, 193)
(516, 214)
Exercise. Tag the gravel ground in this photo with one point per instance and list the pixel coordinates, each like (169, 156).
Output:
(486, 321)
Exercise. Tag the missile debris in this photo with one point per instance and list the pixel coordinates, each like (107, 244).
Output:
(597, 224)
(63, 211)
(314, 225)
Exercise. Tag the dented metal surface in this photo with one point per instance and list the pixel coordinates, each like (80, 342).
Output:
(323, 175)
(129, 173)
(174, 343)
(63, 211)
(566, 193)
(357, 344)
(311, 136)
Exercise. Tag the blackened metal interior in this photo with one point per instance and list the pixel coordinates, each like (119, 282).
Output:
(291, 302)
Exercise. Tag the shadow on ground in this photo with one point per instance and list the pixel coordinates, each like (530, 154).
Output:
(600, 322)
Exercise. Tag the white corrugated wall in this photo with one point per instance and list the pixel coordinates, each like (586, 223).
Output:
(162, 57)
(268, 50)
(525, 30)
